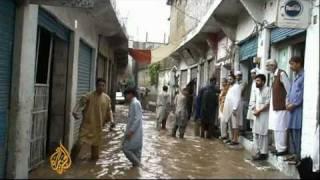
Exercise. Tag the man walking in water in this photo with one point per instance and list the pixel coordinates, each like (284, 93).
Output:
(132, 143)
(96, 109)
(163, 105)
(209, 106)
(181, 113)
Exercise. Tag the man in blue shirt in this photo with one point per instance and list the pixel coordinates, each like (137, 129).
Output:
(295, 107)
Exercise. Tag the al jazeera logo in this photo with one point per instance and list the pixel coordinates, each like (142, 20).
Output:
(60, 160)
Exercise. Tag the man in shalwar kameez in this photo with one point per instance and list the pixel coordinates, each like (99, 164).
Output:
(96, 111)
(260, 107)
(222, 97)
(181, 113)
(279, 116)
(132, 143)
(295, 107)
(163, 104)
(231, 110)
(243, 84)
(250, 115)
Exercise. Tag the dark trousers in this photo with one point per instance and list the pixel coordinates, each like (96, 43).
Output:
(207, 126)
(295, 142)
(163, 123)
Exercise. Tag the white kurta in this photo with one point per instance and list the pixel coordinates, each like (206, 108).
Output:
(250, 115)
(278, 120)
(232, 101)
(261, 99)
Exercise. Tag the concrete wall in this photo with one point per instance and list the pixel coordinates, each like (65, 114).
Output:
(245, 26)
(223, 45)
(22, 94)
(185, 16)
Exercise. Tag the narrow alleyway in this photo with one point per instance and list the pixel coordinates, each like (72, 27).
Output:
(164, 157)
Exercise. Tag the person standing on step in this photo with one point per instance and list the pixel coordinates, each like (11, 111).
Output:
(243, 84)
(222, 97)
(295, 107)
(260, 107)
(279, 116)
(250, 115)
(231, 110)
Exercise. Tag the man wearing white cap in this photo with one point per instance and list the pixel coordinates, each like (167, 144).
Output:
(279, 116)
(243, 86)
(250, 115)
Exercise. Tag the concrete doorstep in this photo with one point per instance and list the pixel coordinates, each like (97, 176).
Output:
(277, 162)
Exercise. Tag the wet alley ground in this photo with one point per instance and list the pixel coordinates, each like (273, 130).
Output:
(163, 157)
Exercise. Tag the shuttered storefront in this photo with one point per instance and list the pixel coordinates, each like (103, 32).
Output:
(7, 19)
(280, 34)
(84, 77)
(248, 48)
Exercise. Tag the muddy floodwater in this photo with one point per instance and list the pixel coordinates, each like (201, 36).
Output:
(163, 157)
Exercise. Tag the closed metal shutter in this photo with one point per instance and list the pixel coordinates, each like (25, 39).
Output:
(84, 78)
(280, 34)
(7, 19)
(183, 78)
(194, 72)
(50, 23)
(248, 48)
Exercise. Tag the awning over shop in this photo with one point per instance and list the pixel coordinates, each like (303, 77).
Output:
(140, 55)
(280, 34)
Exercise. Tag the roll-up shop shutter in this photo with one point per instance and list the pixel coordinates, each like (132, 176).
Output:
(7, 20)
(84, 77)
(248, 48)
(50, 23)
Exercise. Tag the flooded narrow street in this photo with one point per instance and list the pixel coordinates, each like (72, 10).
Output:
(163, 157)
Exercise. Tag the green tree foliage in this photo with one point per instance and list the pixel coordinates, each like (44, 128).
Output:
(154, 73)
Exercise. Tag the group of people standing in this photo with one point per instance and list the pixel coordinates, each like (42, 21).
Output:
(275, 106)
